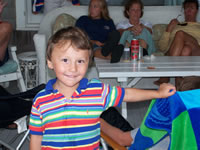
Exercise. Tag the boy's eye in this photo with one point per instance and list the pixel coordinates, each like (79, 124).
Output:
(65, 60)
(81, 61)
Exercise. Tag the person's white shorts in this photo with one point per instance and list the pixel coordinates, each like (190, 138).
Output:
(50, 5)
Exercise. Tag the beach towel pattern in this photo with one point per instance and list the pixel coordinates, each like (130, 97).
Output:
(177, 116)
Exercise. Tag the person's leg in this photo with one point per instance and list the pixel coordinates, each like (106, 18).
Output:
(111, 42)
(161, 80)
(5, 35)
(119, 136)
(184, 45)
(116, 126)
(114, 57)
(50, 5)
(97, 53)
(114, 118)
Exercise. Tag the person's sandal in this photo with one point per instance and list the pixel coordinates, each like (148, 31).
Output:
(12, 126)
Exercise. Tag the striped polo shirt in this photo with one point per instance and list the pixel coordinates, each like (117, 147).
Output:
(72, 123)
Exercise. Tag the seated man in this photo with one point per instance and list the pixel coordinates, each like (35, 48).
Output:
(126, 138)
(182, 39)
(5, 34)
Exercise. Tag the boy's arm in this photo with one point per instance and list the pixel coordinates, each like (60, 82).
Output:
(35, 142)
(135, 95)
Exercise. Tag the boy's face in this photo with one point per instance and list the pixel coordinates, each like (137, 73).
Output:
(69, 64)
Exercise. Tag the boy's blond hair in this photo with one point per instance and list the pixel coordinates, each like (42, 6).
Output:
(77, 37)
(104, 9)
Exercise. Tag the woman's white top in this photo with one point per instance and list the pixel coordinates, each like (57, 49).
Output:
(126, 24)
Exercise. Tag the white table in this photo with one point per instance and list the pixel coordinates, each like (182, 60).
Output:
(163, 66)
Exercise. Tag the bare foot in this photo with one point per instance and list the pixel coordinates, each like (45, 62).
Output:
(161, 80)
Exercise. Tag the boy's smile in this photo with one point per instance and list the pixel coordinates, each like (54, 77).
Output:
(70, 65)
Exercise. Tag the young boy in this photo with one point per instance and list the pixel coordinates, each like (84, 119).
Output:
(65, 115)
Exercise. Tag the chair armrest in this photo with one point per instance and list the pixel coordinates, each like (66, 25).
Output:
(13, 54)
(111, 142)
(40, 47)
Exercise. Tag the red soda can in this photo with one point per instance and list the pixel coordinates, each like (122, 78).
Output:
(134, 49)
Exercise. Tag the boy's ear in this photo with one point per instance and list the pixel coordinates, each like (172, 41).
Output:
(50, 65)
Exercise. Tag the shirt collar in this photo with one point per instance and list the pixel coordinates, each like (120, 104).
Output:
(82, 85)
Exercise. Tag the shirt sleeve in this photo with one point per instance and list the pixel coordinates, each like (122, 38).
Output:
(164, 41)
(120, 25)
(35, 125)
(147, 24)
(113, 96)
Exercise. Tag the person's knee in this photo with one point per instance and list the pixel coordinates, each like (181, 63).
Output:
(179, 34)
(187, 51)
(125, 139)
(6, 27)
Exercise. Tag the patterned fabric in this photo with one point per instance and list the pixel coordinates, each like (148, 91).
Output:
(63, 21)
(39, 4)
(158, 30)
(72, 123)
(176, 116)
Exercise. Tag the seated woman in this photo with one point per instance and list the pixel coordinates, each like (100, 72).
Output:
(101, 30)
(5, 34)
(135, 28)
(182, 39)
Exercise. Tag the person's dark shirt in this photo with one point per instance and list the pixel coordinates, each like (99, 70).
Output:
(97, 29)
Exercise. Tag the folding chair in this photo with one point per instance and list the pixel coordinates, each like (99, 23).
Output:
(11, 140)
(10, 71)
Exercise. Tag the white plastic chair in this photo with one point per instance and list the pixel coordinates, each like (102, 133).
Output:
(6, 75)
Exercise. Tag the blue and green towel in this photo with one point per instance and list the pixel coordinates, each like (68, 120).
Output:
(177, 116)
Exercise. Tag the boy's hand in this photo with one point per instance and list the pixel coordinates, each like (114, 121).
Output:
(166, 90)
